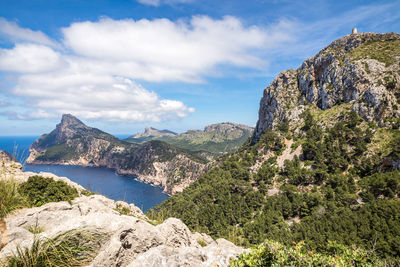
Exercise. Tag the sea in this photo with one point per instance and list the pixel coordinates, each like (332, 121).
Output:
(98, 180)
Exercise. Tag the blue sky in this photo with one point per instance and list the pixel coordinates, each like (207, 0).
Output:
(171, 64)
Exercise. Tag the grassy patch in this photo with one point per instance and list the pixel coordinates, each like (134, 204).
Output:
(35, 228)
(383, 51)
(10, 198)
(73, 248)
(123, 210)
(201, 242)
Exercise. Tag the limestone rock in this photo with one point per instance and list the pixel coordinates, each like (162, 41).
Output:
(345, 71)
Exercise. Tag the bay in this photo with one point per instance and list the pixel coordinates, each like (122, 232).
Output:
(98, 180)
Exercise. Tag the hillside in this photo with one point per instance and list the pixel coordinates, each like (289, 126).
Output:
(156, 162)
(323, 163)
(213, 141)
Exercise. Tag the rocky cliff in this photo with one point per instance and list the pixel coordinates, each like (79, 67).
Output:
(323, 164)
(155, 162)
(360, 69)
(127, 238)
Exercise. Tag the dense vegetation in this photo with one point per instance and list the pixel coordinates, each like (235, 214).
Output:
(341, 188)
(273, 253)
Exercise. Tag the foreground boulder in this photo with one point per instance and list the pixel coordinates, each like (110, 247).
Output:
(132, 241)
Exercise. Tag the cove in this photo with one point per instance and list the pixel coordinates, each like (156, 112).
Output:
(106, 182)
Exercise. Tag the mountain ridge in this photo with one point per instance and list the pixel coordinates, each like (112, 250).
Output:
(216, 139)
(357, 69)
(155, 162)
(323, 162)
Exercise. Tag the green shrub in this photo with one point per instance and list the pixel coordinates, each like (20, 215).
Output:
(39, 190)
(272, 253)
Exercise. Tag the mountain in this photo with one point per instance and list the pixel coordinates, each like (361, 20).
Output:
(323, 162)
(150, 131)
(155, 162)
(213, 141)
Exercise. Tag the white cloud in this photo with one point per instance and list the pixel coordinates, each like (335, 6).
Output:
(15, 33)
(161, 2)
(29, 58)
(93, 75)
(95, 97)
(163, 50)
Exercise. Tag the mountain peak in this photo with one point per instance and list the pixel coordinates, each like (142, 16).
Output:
(69, 120)
(359, 69)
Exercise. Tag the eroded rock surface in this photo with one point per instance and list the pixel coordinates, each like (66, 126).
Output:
(360, 69)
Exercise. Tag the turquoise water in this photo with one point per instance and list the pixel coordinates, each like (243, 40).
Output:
(99, 180)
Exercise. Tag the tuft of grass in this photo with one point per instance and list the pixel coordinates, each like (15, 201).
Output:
(10, 198)
(73, 248)
(156, 218)
(87, 193)
(201, 242)
(123, 210)
(35, 228)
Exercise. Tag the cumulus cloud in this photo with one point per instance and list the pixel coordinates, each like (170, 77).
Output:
(93, 75)
(95, 97)
(12, 31)
(29, 58)
(163, 50)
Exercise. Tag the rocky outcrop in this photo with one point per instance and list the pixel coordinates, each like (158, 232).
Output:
(130, 240)
(155, 162)
(360, 69)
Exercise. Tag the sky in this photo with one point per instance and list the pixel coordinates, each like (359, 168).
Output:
(121, 65)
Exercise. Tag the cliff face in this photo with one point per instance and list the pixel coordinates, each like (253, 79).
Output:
(74, 143)
(361, 69)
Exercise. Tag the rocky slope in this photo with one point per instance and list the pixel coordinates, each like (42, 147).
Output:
(155, 162)
(213, 141)
(323, 164)
(360, 69)
(129, 240)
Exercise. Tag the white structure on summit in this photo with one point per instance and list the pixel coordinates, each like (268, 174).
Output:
(354, 31)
